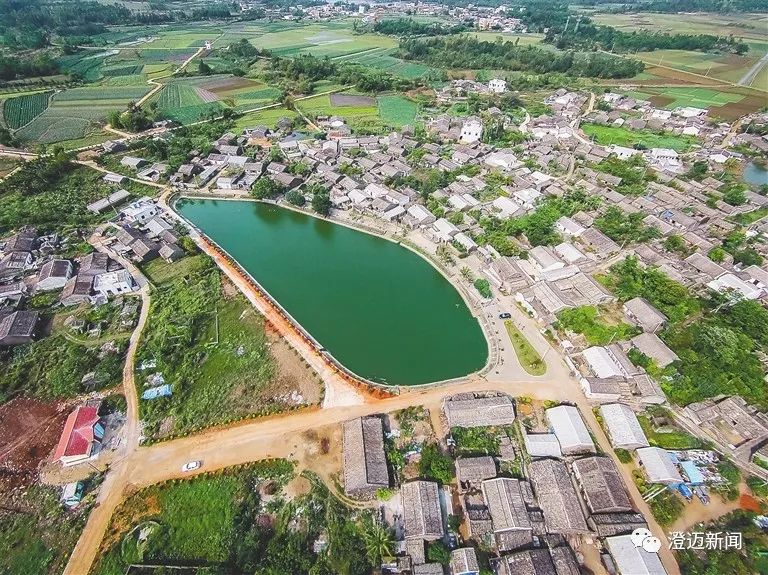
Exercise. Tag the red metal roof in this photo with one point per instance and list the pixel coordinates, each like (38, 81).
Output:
(77, 437)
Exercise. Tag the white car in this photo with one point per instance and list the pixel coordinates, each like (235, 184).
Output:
(191, 466)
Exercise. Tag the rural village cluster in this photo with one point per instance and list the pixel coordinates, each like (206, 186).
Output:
(565, 454)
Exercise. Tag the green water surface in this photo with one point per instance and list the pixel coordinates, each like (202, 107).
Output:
(378, 308)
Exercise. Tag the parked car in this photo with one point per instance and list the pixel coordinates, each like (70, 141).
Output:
(505, 315)
(191, 466)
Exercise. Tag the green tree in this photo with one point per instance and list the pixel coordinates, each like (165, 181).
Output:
(296, 198)
(265, 188)
(437, 552)
(435, 465)
(321, 201)
(379, 540)
(717, 254)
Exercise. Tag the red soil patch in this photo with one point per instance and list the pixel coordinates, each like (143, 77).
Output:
(219, 85)
(29, 430)
(749, 503)
(734, 110)
(660, 101)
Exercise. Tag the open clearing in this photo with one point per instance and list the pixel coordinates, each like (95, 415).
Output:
(607, 135)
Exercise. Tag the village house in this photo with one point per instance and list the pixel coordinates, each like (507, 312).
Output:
(568, 426)
(464, 562)
(630, 559)
(644, 314)
(650, 345)
(81, 436)
(365, 464)
(658, 465)
(602, 485)
(422, 516)
(18, 328)
(53, 275)
(511, 524)
(557, 497)
(466, 410)
(622, 425)
(472, 471)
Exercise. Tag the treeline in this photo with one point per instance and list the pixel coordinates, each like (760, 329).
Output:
(37, 176)
(410, 27)
(29, 23)
(12, 67)
(591, 36)
(467, 52)
(297, 75)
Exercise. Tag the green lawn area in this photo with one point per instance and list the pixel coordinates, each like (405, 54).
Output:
(677, 439)
(526, 355)
(679, 97)
(587, 320)
(607, 135)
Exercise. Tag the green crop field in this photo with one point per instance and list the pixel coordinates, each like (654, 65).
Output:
(21, 110)
(607, 135)
(397, 110)
(74, 114)
(321, 106)
(267, 118)
(697, 97)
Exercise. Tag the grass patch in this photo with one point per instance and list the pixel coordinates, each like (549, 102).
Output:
(39, 539)
(676, 439)
(526, 355)
(607, 135)
(192, 521)
(210, 347)
(474, 441)
(585, 320)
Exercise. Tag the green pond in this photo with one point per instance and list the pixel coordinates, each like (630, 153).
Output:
(378, 308)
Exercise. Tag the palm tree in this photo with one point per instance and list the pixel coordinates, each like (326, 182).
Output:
(378, 540)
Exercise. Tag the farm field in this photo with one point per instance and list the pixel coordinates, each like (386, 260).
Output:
(747, 26)
(397, 110)
(728, 103)
(607, 135)
(268, 118)
(323, 106)
(72, 114)
(189, 100)
(21, 110)
(727, 67)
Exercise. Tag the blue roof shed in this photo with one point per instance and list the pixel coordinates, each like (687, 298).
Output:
(692, 473)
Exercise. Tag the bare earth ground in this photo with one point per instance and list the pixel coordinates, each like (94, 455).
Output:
(29, 430)
(293, 374)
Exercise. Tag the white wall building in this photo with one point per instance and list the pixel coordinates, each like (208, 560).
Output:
(497, 86)
(471, 131)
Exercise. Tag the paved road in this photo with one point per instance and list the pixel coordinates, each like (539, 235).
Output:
(749, 77)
